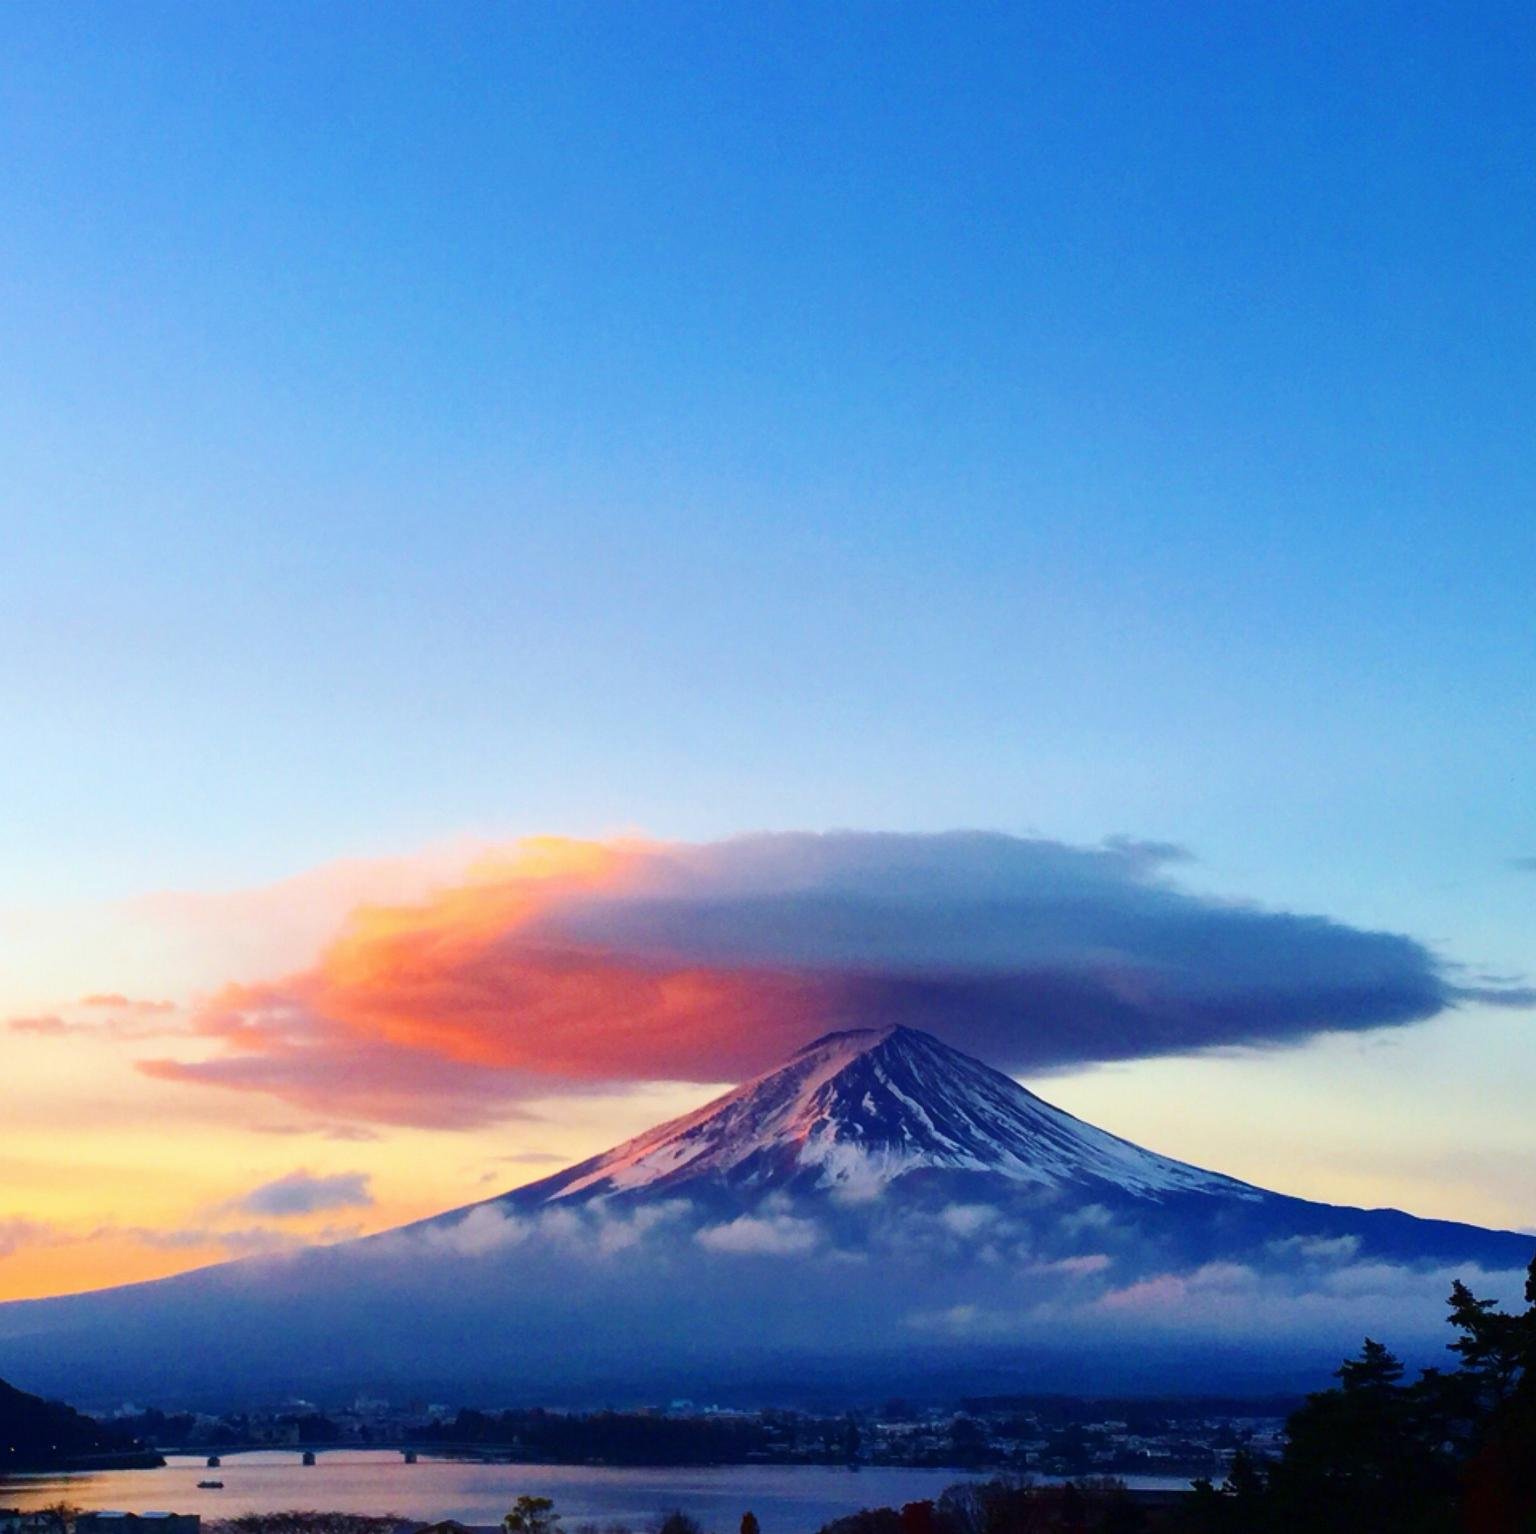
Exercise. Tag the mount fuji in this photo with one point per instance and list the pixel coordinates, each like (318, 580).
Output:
(858, 1111)
(879, 1211)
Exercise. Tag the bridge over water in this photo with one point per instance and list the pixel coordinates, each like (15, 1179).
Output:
(306, 1453)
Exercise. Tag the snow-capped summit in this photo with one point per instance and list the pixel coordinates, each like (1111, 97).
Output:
(858, 1110)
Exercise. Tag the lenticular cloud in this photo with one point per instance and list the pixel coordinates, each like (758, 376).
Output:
(576, 964)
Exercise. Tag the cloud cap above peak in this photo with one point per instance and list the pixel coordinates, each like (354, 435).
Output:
(568, 963)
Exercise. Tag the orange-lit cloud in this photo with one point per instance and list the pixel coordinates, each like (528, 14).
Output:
(120, 1003)
(447, 1011)
(133, 1020)
(48, 1025)
(564, 964)
(17, 1232)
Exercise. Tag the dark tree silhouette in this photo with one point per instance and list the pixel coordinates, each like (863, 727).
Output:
(532, 1515)
(59, 1517)
(852, 1438)
(1451, 1453)
(308, 1521)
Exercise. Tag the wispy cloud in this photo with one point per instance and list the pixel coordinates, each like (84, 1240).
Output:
(1502, 993)
(47, 1025)
(589, 1233)
(776, 1235)
(358, 1133)
(134, 1020)
(245, 1241)
(17, 1233)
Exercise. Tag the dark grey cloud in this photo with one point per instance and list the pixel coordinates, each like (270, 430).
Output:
(1034, 953)
(301, 1193)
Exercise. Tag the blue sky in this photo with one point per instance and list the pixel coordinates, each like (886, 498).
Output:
(586, 415)
(421, 422)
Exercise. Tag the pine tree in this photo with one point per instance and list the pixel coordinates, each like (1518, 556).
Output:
(1489, 1345)
(532, 1515)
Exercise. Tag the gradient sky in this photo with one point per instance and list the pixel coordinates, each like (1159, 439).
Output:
(426, 427)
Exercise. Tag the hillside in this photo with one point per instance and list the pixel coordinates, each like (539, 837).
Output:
(47, 1435)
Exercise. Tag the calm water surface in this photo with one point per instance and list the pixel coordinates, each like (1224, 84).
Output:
(788, 1499)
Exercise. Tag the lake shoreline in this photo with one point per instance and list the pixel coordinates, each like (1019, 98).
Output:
(787, 1499)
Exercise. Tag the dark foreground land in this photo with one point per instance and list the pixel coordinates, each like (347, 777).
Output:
(1452, 1452)
(44, 1435)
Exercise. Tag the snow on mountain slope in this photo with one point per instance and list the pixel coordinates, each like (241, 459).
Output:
(857, 1110)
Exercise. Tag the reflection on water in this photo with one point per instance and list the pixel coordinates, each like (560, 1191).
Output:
(788, 1499)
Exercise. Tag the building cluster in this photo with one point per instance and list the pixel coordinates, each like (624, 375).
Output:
(1047, 1436)
(1073, 1439)
(49, 1520)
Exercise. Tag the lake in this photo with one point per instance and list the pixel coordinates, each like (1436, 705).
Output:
(788, 1499)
